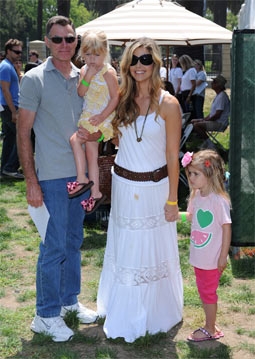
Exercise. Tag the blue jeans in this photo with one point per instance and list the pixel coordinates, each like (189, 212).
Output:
(9, 158)
(59, 262)
(199, 105)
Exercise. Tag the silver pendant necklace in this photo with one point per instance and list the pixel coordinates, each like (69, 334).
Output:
(139, 139)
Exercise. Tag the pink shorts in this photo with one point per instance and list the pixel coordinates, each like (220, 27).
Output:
(207, 284)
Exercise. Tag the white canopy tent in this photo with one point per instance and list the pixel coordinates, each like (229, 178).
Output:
(165, 21)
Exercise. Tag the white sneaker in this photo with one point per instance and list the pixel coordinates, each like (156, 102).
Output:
(85, 315)
(56, 327)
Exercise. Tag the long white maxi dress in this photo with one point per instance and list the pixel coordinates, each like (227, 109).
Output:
(140, 288)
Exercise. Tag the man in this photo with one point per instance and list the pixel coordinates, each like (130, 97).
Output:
(34, 57)
(217, 120)
(9, 93)
(50, 104)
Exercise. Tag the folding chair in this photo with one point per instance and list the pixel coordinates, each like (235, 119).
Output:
(212, 136)
(185, 118)
(187, 131)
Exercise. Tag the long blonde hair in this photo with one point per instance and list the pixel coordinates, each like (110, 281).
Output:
(127, 110)
(210, 163)
(186, 62)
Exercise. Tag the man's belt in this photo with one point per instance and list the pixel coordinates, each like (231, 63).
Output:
(154, 176)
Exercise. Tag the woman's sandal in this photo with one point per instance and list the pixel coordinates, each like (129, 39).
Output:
(73, 185)
(91, 205)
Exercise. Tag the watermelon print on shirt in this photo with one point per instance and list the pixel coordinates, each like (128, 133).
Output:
(208, 216)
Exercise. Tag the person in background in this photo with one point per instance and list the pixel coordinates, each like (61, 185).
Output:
(163, 72)
(2, 56)
(209, 213)
(50, 104)
(98, 86)
(168, 86)
(140, 288)
(34, 57)
(18, 67)
(218, 118)
(188, 84)
(201, 85)
(9, 97)
(175, 76)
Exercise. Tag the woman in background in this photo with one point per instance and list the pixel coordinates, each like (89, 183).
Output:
(201, 85)
(188, 84)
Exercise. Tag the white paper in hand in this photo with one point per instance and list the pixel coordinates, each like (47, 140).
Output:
(40, 217)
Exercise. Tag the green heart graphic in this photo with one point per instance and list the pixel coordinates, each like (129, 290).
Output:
(204, 218)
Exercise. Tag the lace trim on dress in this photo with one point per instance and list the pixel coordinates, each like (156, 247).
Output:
(141, 223)
(146, 275)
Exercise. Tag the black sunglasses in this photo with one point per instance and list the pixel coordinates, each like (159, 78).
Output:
(59, 39)
(145, 59)
(17, 52)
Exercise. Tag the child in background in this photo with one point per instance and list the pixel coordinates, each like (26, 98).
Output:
(209, 213)
(99, 86)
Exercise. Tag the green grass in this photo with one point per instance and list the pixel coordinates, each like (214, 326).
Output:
(18, 255)
(19, 242)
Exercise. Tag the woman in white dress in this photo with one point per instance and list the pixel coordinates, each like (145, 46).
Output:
(140, 287)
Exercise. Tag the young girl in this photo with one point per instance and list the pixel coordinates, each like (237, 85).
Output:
(209, 213)
(99, 86)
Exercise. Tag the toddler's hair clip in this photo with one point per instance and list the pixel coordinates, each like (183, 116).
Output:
(207, 163)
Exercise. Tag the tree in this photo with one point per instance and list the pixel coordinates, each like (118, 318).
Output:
(101, 7)
(26, 19)
(39, 18)
(64, 7)
(195, 52)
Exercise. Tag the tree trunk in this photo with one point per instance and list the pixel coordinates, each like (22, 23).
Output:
(220, 18)
(64, 7)
(195, 52)
(39, 19)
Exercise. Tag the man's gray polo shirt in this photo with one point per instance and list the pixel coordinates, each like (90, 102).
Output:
(54, 99)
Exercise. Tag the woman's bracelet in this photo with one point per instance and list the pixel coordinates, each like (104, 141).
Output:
(183, 217)
(170, 203)
(101, 138)
(85, 83)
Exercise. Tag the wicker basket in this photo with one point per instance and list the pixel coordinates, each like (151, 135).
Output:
(105, 178)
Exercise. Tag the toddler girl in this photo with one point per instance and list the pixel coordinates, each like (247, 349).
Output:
(99, 86)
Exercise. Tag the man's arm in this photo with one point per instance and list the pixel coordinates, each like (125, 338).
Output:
(8, 98)
(26, 156)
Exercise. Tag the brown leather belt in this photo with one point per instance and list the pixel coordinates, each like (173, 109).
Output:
(154, 176)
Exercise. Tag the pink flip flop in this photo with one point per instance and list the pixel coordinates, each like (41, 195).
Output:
(91, 205)
(207, 336)
(73, 185)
